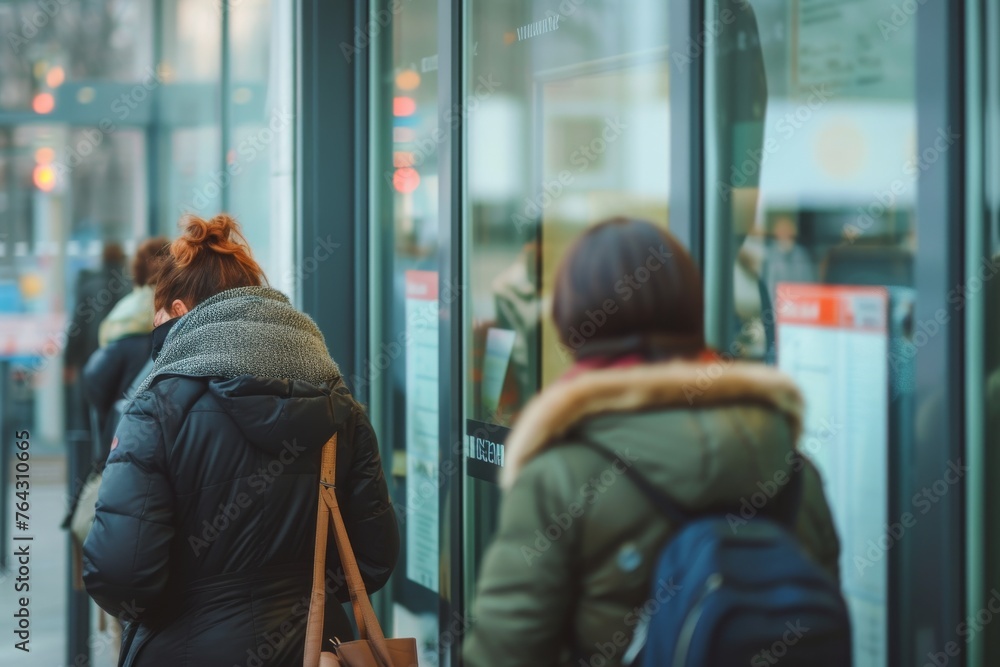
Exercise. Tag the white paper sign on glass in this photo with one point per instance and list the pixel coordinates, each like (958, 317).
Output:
(833, 341)
(422, 499)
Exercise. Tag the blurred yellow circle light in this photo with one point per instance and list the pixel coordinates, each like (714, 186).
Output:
(408, 79)
(44, 177)
(85, 95)
(31, 285)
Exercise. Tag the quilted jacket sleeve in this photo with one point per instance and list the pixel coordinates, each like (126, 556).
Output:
(126, 554)
(368, 513)
(527, 582)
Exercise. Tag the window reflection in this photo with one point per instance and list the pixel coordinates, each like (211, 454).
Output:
(813, 188)
(593, 128)
(568, 118)
(112, 125)
(53, 43)
(408, 292)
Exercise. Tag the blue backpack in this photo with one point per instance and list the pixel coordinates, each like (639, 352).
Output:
(744, 596)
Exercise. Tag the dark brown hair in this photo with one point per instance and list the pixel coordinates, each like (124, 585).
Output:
(148, 259)
(209, 257)
(112, 255)
(628, 286)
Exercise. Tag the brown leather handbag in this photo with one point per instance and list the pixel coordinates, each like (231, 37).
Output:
(373, 649)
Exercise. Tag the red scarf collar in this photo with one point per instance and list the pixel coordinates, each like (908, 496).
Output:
(706, 356)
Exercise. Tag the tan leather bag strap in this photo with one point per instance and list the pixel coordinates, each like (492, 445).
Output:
(328, 511)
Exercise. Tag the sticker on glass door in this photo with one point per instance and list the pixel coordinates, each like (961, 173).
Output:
(484, 451)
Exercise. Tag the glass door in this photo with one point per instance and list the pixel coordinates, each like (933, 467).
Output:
(812, 170)
(405, 293)
(568, 123)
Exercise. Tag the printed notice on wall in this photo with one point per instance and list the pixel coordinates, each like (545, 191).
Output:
(833, 341)
(422, 506)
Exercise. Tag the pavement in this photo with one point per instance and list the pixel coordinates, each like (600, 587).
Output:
(49, 574)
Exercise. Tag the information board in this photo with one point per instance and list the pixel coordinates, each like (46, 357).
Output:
(833, 341)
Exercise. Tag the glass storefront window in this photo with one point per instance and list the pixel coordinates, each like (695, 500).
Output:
(193, 48)
(406, 290)
(568, 122)
(115, 119)
(811, 182)
(231, 149)
(189, 138)
(259, 151)
(48, 44)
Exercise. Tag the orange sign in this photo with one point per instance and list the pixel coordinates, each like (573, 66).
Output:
(839, 306)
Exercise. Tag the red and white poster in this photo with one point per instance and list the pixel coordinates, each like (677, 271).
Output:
(833, 340)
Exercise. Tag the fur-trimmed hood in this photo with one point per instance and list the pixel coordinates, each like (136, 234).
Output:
(681, 385)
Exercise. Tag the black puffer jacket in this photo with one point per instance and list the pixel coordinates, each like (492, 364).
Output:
(206, 518)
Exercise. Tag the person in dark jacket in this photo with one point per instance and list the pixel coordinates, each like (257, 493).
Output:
(125, 336)
(577, 545)
(96, 293)
(205, 525)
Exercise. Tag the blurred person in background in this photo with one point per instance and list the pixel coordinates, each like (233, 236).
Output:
(206, 517)
(785, 261)
(125, 339)
(636, 387)
(96, 293)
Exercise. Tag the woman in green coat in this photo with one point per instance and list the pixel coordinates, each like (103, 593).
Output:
(569, 575)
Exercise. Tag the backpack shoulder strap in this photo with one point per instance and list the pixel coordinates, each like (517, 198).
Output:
(785, 509)
(661, 500)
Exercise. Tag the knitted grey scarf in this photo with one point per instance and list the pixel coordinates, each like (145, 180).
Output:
(245, 331)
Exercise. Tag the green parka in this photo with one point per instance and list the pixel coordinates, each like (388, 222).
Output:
(570, 570)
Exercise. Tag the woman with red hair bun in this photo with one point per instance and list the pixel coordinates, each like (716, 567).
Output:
(204, 534)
